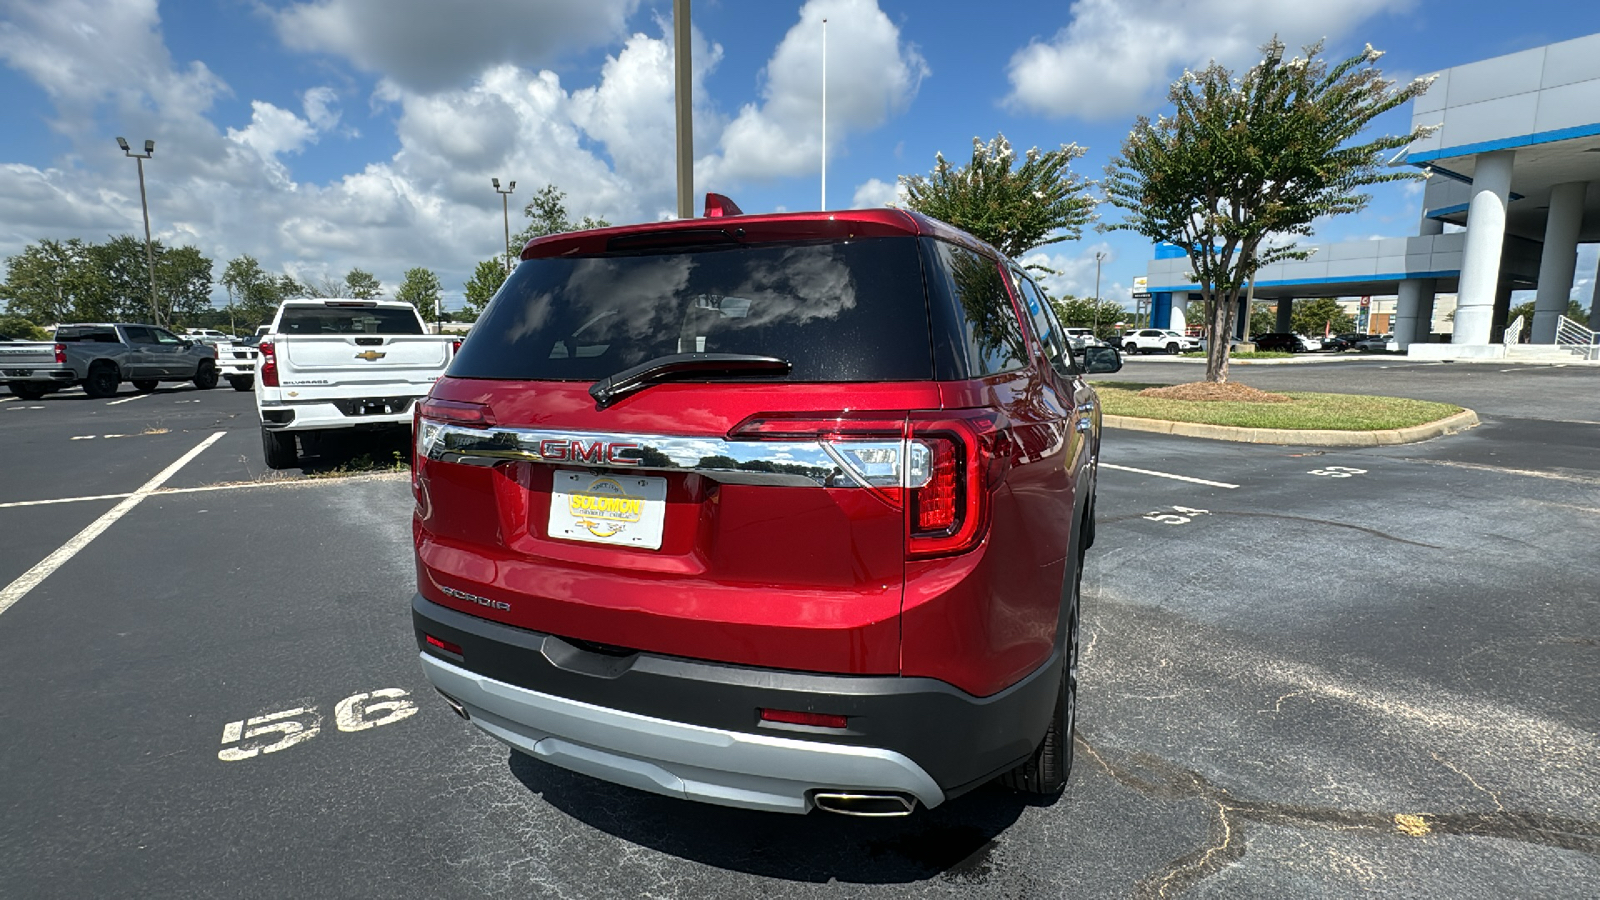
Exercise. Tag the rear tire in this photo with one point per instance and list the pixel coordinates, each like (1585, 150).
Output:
(279, 449)
(25, 391)
(242, 382)
(145, 385)
(1045, 773)
(1172, 349)
(1130, 348)
(102, 382)
(205, 377)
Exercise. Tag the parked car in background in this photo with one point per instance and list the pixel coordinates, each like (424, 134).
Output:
(335, 364)
(101, 356)
(1080, 338)
(1278, 342)
(1345, 341)
(1375, 342)
(236, 361)
(777, 602)
(1158, 340)
(206, 335)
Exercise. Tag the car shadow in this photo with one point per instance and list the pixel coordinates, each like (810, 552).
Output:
(953, 841)
(353, 452)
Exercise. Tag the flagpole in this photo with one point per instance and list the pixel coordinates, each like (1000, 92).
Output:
(824, 114)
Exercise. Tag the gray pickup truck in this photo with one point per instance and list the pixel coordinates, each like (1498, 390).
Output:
(102, 356)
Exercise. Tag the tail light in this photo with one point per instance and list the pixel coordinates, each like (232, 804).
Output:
(937, 466)
(61, 354)
(455, 347)
(427, 423)
(269, 364)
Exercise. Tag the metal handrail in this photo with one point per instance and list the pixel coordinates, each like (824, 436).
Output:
(1577, 338)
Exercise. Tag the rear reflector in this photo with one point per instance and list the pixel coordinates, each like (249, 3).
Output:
(790, 717)
(446, 646)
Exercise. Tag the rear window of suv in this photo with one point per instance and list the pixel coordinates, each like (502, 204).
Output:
(348, 320)
(837, 311)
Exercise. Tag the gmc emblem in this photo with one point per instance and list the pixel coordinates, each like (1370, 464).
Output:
(595, 453)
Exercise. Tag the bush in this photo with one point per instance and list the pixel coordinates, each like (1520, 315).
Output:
(14, 326)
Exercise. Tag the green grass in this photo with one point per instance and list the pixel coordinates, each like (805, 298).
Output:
(1253, 354)
(1333, 412)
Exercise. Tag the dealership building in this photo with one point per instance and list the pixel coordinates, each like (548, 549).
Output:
(1514, 160)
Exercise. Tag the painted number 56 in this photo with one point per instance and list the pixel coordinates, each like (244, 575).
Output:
(249, 738)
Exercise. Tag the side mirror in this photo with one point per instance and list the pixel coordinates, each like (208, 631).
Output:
(1101, 360)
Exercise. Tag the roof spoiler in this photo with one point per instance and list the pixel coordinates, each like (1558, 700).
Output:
(719, 205)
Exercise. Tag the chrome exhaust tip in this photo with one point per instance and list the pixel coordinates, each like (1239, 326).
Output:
(455, 705)
(869, 805)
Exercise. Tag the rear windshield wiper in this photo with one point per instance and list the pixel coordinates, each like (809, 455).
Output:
(682, 365)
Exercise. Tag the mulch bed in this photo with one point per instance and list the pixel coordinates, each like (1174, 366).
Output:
(1207, 391)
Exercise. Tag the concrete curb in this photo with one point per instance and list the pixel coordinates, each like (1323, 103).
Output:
(1461, 421)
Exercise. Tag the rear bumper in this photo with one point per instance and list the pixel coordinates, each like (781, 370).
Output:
(691, 728)
(233, 368)
(38, 376)
(317, 415)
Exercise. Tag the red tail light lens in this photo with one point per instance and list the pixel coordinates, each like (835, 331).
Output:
(269, 364)
(455, 347)
(454, 412)
(815, 426)
(937, 503)
(61, 354)
(815, 720)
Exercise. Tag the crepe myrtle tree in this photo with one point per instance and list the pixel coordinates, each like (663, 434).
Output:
(1244, 164)
(1015, 208)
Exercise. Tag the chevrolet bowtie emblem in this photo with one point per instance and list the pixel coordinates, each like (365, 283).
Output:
(371, 355)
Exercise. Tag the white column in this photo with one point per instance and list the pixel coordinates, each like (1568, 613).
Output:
(1480, 261)
(1559, 259)
(1407, 305)
(1285, 315)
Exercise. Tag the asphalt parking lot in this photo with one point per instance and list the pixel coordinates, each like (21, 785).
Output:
(1345, 673)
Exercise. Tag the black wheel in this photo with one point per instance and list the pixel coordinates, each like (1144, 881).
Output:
(1088, 527)
(102, 381)
(279, 450)
(1130, 348)
(25, 391)
(242, 382)
(1172, 349)
(1045, 772)
(145, 385)
(205, 377)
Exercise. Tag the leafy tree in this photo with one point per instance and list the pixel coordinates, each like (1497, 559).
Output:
(14, 326)
(253, 293)
(362, 285)
(183, 284)
(1079, 312)
(421, 289)
(486, 280)
(1324, 315)
(1014, 208)
(1263, 318)
(1574, 311)
(548, 212)
(1242, 160)
(51, 282)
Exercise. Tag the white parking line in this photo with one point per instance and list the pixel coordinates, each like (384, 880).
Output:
(128, 399)
(8, 399)
(31, 578)
(206, 488)
(1220, 484)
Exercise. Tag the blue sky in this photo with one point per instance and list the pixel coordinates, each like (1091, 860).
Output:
(322, 135)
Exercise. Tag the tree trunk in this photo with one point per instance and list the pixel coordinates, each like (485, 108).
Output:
(1220, 338)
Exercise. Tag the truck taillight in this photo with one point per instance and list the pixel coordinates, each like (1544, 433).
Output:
(455, 347)
(61, 354)
(269, 364)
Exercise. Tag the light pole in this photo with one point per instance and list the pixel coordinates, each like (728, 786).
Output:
(1098, 256)
(505, 212)
(824, 114)
(149, 253)
(683, 97)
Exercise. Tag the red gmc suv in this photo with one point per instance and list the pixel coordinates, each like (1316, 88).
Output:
(768, 511)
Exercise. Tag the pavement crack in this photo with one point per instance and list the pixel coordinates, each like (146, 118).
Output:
(1308, 519)
(1470, 780)
(1161, 779)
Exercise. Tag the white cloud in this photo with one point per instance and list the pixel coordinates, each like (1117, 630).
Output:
(1074, 273)
(1117, 57)
(874, 193)
(873, 75)
(429, 45)
(321, 108)
(273, 131)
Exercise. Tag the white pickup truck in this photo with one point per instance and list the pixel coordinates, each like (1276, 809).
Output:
(342, 364)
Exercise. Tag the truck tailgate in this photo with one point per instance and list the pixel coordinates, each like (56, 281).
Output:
(355, 358)
(18, 355)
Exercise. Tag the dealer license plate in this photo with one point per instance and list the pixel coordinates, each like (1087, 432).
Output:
(628, 510)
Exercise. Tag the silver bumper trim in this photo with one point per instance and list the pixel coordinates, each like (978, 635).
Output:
(728, 768)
